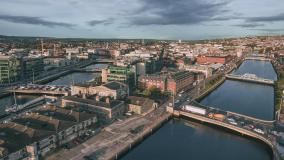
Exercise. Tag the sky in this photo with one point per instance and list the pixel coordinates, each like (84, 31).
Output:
(154, 19)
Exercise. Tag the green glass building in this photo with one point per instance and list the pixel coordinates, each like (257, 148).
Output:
(10, 69)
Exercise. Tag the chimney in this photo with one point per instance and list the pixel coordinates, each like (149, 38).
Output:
(107, 100)
(97, 98)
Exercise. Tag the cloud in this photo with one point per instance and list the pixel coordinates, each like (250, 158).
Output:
(249, 25)
(34, 21)
(176, 12)
(104, 22)
(269, 29)
(274, 18)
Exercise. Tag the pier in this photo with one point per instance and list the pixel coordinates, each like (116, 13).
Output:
(250, 78)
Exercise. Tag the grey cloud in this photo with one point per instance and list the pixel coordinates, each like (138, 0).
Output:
(104, 22)
(34, 21)
(176, 12)
(269, 30)
(249, 25)
(275, 18)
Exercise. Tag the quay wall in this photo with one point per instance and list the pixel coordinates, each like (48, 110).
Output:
(140, 137)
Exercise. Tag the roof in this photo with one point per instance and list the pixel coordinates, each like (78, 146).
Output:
(37, 121)
(64, 114)
(114, 85)
(14, 136)
(141, 101)
(180, 75)
(112, 104)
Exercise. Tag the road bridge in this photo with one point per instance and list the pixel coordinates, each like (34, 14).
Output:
(250, 78)
(245, 125)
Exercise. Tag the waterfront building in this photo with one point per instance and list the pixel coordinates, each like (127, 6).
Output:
(114, 89)
(172, 82)
(106, 111)
(179, 81)
(10, 69)
(120, 74)
(32, 66)
(141, 105)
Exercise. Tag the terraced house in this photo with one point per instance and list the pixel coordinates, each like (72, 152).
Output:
(34, 135)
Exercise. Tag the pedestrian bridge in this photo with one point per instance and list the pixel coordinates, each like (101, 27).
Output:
(250, 78)
(41, 89)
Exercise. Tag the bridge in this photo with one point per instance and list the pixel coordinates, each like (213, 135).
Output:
(104, 61)
(245, 125)
(93, 70)
(258, 58)
(250, 78)
(18, 110)
(41, 89)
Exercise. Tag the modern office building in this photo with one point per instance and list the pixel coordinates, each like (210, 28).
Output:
(10, 69)
(120, 74)
(32, 66)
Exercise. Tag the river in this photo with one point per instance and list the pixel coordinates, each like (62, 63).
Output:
(182, 139)
(75, 77)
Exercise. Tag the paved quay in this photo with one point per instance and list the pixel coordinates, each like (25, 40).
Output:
(116, 138)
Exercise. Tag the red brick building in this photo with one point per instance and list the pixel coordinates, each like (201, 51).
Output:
(207, 59)
(179, 81)
(147, 81)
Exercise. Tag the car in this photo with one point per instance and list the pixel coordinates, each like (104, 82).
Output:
(233, 122)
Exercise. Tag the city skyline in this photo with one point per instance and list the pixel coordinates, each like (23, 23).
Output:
(159, 19)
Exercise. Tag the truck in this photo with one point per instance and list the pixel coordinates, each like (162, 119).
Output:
(219, 117)
(194, 109)
(258, 130)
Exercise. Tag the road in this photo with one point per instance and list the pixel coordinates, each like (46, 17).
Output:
(112, 138)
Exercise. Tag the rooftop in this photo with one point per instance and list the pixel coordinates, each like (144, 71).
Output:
(64, 114)
(41, 122)
(112, 104)
(114, 85)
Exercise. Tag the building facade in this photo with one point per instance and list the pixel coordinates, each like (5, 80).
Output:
(179, 81)
(208, 59)
(10, 69)
(120, 74)
(148, 81)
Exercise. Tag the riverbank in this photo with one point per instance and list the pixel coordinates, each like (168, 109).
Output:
(210, 87)
(116, 139)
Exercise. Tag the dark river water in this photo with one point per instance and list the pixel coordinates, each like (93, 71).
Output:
(76, 77)
(185, 140)
(65, 80)
(182, 139)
